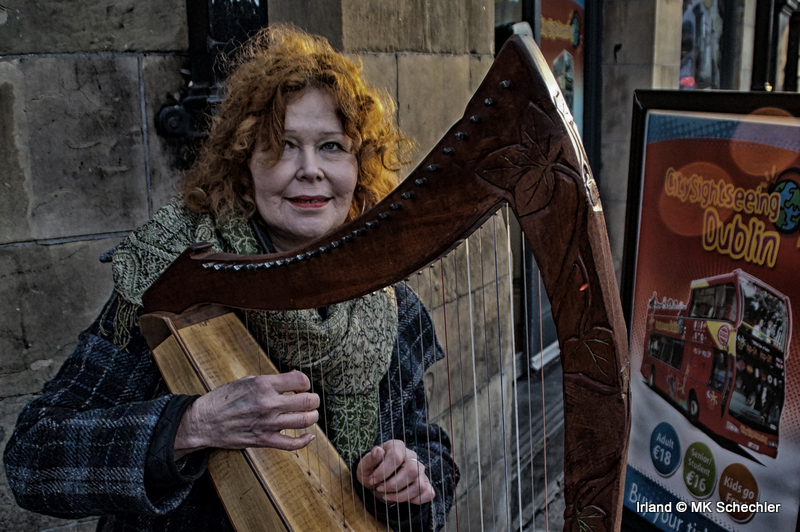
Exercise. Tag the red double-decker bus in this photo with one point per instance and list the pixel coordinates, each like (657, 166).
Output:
(721, 358)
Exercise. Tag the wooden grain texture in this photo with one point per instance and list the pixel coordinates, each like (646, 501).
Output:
(247, 505)
(309, 489)
(515, 144)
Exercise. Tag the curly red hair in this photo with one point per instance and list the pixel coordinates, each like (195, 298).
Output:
(270, 71)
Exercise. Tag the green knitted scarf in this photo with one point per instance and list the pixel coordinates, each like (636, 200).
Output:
(346, 354)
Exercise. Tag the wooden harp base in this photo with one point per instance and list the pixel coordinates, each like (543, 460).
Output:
(261, 489)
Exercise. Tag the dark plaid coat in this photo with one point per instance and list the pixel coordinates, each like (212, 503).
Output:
(80, 449)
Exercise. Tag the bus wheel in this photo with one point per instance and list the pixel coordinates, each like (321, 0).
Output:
(694, 408)
(651, 381)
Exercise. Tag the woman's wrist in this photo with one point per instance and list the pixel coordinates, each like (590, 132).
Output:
(190, 435)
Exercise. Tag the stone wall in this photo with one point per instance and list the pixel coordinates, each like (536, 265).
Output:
(82, 165)
(641, 50)
(80, 83)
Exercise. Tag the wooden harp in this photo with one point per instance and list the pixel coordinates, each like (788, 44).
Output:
(515, 144)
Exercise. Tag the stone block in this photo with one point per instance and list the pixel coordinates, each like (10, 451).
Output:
(432, 92)
(380, 69)
(12, 517)
(667, 33)
(447, 27)
(75, 128)
(450, 26)
(666, 77)
(162, 82)
(479, 65)
(473, 339)
(488, 253)
(480, 14)
(14, 200)
(47, 26)
(385, 26)
(629, 23)
(50, 294)
(614, 185)
(485, 509)
(486, 500)
(321, 17)
(614, 212)
(619, 82)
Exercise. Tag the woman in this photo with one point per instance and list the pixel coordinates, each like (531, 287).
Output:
(299, 147)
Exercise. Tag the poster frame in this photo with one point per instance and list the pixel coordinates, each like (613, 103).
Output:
(644, 102)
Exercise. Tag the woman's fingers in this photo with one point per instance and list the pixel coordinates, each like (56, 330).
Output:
(294, 381)
(367, 465)
(410, 484)
(279, 440)
(393, 472)
(251, 412)
(405, 476)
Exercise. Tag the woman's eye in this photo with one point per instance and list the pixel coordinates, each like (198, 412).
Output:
(332, 146)
(287, 144)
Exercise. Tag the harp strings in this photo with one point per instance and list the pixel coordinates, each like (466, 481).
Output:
(501, 366)
(486, 359)
(449, 389)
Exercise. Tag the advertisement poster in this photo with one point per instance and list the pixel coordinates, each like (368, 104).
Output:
(715, 329)
(562, 44)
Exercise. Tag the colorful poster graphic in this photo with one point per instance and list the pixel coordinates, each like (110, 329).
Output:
(715, 361)
(562, 44)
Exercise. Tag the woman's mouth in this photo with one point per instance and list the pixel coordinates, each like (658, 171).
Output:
(309, 202)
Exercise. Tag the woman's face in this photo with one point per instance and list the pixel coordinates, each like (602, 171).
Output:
(308, 192)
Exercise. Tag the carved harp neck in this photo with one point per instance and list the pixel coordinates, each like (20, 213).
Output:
(516, 143)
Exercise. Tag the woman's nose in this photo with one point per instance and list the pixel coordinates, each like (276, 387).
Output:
(309, 165)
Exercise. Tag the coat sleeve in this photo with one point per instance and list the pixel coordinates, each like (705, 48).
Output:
(81, 447)
(404, 415)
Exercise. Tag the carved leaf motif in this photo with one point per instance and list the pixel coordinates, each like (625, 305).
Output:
(528, 169)
(592, 354)
(590, 519)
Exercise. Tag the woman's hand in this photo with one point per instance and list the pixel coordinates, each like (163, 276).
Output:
(394, 474)
(250, 412)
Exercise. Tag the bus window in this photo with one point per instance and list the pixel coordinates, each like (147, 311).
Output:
(758, 396)
(703, 300)
(667, 350)
(718, 371)
(714, 302)
(725, 302)
(677, 353)
(765, 313)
